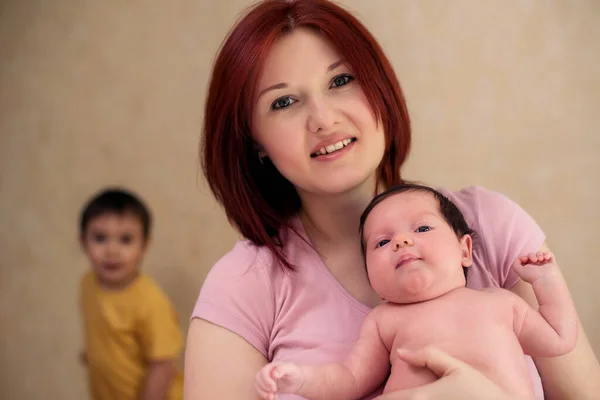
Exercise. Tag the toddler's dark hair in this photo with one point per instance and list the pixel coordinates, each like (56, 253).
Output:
(115, 201)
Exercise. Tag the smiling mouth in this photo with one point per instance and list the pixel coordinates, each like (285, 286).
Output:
(332, 148)
(112, 266)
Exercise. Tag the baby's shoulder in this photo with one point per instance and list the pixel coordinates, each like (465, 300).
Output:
(493, 298)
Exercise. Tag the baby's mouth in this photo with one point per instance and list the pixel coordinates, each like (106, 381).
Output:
(406, 261)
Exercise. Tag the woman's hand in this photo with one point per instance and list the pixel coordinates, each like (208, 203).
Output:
(458, 381)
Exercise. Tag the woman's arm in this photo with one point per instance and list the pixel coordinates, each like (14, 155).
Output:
(573, 376)
(219, 364)
(458, 380)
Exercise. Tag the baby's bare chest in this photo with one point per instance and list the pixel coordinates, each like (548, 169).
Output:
(469, 322)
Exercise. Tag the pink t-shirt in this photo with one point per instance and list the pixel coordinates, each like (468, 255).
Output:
(308, 317)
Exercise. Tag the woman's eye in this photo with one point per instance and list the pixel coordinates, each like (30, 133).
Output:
(341, 80)
(282, 102)
(382, 243)
(423, 228)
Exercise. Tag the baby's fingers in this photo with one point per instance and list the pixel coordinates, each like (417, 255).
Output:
(278, 372)
(535, 258)
(265, 382)
(265, 394)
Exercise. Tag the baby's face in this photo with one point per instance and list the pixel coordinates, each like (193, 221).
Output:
(115, 245)
(412, 253)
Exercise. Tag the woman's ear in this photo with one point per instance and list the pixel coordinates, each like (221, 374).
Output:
(466, 248)
(260, 150)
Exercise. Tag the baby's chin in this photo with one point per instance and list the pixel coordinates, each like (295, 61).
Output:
(421, 287)
(415, 288)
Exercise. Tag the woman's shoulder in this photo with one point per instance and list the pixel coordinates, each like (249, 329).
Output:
(242, 260)
(488, 209)
(241, 290)
(238, 295)
(247, 260)
(478, 199)
(503, 229)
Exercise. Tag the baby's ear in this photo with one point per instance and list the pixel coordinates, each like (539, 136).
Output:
(466, 249)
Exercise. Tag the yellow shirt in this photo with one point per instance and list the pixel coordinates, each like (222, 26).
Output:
(124, 330)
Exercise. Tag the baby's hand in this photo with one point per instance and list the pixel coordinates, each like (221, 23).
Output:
(535, 265)
(276, 378)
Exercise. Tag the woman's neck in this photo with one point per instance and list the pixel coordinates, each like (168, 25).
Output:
(335, 219)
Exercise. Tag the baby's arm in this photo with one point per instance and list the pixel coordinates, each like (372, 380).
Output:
(361, 373)
(550, 331)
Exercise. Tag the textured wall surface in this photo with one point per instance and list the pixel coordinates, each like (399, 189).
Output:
(502, 94)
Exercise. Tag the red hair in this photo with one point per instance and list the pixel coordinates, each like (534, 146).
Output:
(258, 200)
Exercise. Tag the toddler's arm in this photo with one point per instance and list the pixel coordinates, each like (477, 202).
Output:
(160, 339)
(157, 382)
(551, 330)
(361, 373)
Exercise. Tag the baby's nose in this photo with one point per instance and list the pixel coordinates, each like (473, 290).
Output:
(402, 242)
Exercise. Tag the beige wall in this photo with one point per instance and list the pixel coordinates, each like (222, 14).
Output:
(502, 94)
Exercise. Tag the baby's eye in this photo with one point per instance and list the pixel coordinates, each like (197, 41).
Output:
(282, 102)
(383, 242)
(423, 228)
(341, 80)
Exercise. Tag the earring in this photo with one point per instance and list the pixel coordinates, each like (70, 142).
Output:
(260, 159)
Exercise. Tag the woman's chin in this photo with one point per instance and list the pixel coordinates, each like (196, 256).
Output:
(349, 185)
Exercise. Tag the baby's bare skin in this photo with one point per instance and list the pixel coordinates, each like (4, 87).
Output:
(482, 336)
(415, 260)
(488, 329)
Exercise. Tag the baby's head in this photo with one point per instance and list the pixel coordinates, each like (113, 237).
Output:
(114, 230)
(416, 244)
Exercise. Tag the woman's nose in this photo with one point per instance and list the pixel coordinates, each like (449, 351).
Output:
(321, 115)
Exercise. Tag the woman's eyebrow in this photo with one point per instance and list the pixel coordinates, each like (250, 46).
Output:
(283, 85)
(272, 87)
(335, 65)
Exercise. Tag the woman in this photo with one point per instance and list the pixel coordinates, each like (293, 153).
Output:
(304, 123)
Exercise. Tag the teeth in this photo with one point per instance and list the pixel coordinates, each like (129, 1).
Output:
(333, 147)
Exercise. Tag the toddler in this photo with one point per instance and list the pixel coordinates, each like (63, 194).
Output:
(132, 335)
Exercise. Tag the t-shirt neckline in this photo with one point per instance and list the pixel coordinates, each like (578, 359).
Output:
(298, 226)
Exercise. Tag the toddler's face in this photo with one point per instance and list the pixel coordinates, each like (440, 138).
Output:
(412, 253)
(115, 245)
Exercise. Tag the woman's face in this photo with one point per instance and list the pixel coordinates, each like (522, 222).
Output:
(312, 119)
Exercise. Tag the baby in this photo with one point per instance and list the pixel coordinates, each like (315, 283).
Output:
(417, 247)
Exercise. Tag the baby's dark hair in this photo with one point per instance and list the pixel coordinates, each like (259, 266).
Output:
(115, 201)
(448, 209)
